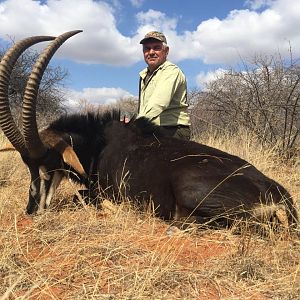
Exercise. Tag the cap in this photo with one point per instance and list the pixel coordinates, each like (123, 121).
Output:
(154, 35)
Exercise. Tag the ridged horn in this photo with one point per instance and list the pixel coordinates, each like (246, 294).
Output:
(33, 142)
(6, 66)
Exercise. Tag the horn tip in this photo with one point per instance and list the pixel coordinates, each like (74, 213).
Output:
(77, 31)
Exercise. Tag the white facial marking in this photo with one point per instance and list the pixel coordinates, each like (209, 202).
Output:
(43, 173)
(56, 179)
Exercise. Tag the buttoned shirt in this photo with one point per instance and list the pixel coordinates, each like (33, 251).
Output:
(163, 96)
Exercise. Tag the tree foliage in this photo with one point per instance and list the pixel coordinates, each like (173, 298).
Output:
(128, 106)
(50, 99)
(263, 98)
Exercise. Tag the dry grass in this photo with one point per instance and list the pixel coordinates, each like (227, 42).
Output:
(117, 252)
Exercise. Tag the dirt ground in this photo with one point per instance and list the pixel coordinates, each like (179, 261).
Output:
(118, 252)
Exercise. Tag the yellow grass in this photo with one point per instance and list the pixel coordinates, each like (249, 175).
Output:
(117, 252)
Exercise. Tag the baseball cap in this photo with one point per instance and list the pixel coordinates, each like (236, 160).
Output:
(156, 35)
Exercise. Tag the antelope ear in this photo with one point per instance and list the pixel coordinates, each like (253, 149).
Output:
(8, 147)
(54, 140)
(70, 158)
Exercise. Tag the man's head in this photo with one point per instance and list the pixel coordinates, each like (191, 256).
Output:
(155, 49)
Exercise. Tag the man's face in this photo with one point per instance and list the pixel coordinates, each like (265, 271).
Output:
(155, 54)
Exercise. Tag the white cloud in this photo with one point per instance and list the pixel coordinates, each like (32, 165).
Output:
(95, 96)
(100, 41)
(257, 4)
(268, 26)
(245, 33)
(242, 33)
(137, 3)
(202, 79)
(156, 19)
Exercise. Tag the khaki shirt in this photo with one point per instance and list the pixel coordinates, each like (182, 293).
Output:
(163, 99)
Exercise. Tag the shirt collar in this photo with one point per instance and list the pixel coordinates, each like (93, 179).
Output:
(144, 72)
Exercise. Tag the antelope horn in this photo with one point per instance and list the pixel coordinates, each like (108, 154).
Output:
(6, 66)
(32, 139)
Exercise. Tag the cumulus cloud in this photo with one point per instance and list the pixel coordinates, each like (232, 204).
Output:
(257, 4)
(265, 27)
(104, 95)
(242, 33)
(202, 79)
(100, 41)
(137, 3)
(155, 19)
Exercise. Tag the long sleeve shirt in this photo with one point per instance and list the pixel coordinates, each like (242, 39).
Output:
(163, 96)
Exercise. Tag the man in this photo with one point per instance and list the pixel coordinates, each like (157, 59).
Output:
(162, 89)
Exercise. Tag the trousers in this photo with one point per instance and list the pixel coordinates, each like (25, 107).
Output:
(181, 132)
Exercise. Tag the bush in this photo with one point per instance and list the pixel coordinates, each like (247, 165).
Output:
(263, 98)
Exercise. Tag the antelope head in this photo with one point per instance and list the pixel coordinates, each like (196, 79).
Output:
(44, 153)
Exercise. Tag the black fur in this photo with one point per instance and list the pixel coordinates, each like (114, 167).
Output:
(181, 177)
(85, 132)
(134, 161)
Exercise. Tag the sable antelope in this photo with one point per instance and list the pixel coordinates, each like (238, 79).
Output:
(44, 155)
(183, 179)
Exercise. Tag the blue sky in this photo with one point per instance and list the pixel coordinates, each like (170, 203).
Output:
(204, 36)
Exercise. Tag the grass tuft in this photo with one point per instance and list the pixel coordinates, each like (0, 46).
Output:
(117, 252)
